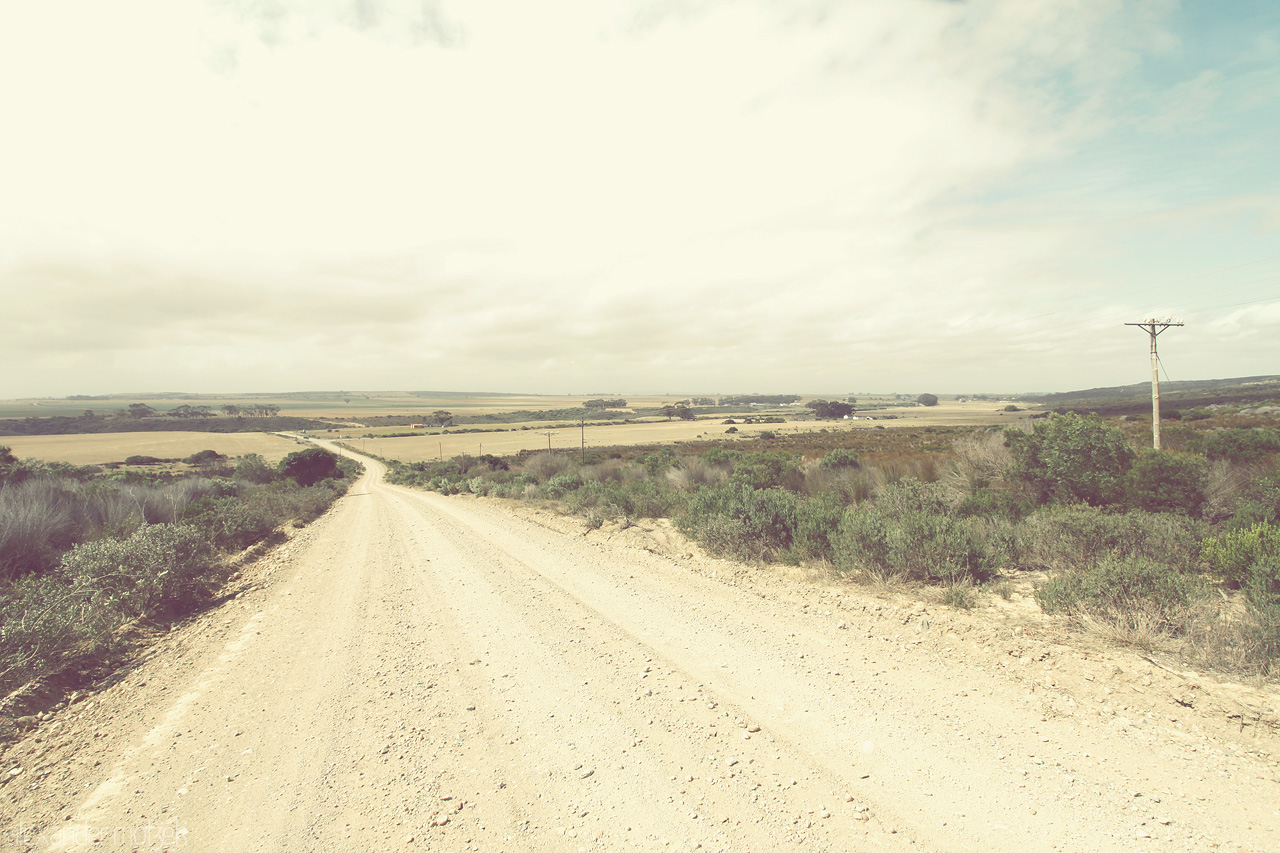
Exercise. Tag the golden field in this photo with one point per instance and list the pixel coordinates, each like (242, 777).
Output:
(568, 436)
(99, 448)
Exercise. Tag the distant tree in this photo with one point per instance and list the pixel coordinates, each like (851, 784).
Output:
(205, 457)
(202, 412)
(829, 409)
(759, 399)
(138, 411)
(927, 400)
(605, 404)
(684, 413)
(703, 401)
(441, 417)
(308, 467)
(851, 400)
(668, 411)
(231, 410)
(1012, 408)
(9, 465)
(183, 411)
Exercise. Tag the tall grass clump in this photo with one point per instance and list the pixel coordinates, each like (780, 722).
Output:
(1136, 594)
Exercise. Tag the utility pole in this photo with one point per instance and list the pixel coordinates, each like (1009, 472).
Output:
(549, 441)
(1153, 326)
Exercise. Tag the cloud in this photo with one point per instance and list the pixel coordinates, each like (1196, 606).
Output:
(400, 22)
(569, 193)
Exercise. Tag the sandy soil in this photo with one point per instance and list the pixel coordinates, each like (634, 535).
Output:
(97, 448)
(421, 672)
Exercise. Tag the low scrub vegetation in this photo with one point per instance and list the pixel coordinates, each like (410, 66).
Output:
(86, 551)
(1180, 549)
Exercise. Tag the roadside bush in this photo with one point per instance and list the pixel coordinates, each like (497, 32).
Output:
(1071, 459)
(918, 543)
(49, 620)
(1125, 590)
(1167, 482)
(1233, 554)
(817, 520)
(310, 466)
(766, 518)
(161, 566)
(1070, 537)
(1239, 444)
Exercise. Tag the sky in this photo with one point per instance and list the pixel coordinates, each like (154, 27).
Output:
(672, 196)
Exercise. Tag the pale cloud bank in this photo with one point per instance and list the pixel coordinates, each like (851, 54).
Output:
(260, 195)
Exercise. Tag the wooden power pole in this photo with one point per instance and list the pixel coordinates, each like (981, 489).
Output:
(1153, 327)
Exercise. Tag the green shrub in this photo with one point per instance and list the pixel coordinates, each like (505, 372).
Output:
(1124, 589)
(1071, 458)
(817, 520)
(1231, 555)
(723, 536)
(994, 503)
(911, 495)
(50, 620)
(1239, 444)
(1167, 482)
(839, 459)
(658, 462)
(252, 468)
(767, 471)
(1260, 503)
(722, 456)
(767, 516)
(1068, 537)
(915, 544)
(11, 469)
(561, 484)
(310, 466)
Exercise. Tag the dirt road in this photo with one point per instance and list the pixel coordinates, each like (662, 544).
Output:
(420, 672)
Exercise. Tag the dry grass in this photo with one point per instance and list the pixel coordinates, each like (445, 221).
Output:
(99, 448)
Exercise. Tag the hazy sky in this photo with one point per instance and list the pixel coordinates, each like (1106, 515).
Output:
(593, 196)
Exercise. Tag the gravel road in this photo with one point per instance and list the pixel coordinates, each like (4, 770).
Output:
(421, 672)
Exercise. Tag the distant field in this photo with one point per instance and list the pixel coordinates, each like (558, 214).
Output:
(98, 448)
(566, 437)
(328, 406)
